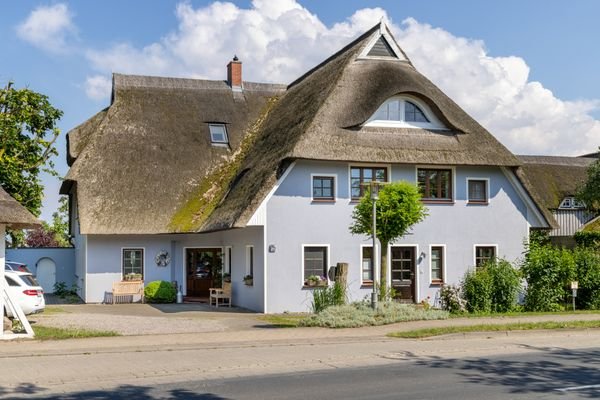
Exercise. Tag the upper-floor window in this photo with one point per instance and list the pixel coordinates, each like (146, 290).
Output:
(435, 184)
(404, 112)
(323, 188)
(359, 176)
(571, 203)
(477, 191)
(218, 133)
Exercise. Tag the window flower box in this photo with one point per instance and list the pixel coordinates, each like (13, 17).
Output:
(248, 280)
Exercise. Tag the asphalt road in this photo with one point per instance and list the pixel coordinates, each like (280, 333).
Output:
(549, 374)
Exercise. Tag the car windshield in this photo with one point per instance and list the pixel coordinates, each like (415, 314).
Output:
(29, 280)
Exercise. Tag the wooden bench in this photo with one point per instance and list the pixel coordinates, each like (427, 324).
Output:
(223, 294)
(127, 288)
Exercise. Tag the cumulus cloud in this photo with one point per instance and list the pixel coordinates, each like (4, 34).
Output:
(280, 40)
(48, 27)
(98, 87)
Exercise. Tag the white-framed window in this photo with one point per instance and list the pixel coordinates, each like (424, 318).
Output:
(405, 112)
(570, 203)
(132, 261)
(437, 263)
(323, 187)
(436, 184)
(360, 175)
(315, 261)
(227, 263)
(250, 261)
(478, 190)
(218, 133)
(484, 253)
(366, 264)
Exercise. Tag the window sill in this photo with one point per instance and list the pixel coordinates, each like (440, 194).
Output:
(433, 201)
(477, 203)
(436, 283)
(366, 285)
(307, 287)
(326, 201)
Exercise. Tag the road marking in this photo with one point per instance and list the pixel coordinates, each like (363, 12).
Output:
(574, 388)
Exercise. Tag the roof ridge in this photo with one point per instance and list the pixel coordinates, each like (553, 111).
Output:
(166, 82)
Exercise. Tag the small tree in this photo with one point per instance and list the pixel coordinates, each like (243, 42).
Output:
(589, 192)
(28, 130)
(399, 207)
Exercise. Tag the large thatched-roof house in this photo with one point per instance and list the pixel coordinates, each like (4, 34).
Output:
(178, 178)
(554, 181)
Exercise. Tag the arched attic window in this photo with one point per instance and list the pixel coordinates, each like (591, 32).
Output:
(404, 112)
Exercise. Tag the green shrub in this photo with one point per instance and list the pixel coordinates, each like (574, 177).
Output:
(334, 295)
(588, 239)
(493, 287)
(361, 314)
(587, 264)
(548, 271)
(160, 292)
(477, 287)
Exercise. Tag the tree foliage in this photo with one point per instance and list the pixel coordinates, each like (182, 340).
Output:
(589, 192)
(399, 207)
(27, 134)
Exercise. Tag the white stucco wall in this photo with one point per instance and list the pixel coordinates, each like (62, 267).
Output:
(293, 220)
(104, 261)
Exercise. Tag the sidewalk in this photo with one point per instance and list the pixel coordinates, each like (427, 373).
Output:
(245, 329)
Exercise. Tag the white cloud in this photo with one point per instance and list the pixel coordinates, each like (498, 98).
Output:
(98, 87)
(280, 40)
(48, 27)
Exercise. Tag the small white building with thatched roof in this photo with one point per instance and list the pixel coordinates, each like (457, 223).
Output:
(185, 180)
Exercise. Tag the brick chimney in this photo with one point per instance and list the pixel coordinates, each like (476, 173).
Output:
(234, 74)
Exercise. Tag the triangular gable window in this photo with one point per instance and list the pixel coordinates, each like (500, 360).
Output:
(381, 48)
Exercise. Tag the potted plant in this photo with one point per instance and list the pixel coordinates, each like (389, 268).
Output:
(248, 280)
(315, 280)
(132, 277)
(226, 277)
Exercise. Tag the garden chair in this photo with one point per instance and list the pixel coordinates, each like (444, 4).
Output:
(222, 295)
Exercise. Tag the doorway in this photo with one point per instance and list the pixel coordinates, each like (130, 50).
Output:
(403, 272)
(203, 270)
(46, 274)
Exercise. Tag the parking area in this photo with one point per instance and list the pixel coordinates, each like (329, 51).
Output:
(147, 319)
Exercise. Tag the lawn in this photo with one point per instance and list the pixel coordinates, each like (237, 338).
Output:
(49, 333)
(285, 320)
(516, 326)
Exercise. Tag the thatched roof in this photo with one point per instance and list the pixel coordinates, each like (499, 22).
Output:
(145, 165)
(592, 226)
(137, 162)
(13, 214)
(552, 178)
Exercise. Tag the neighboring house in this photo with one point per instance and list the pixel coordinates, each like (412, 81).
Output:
(178, 177)
(554, 181)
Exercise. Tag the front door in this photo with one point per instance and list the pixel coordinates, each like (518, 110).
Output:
(403, 272)
(203, 269)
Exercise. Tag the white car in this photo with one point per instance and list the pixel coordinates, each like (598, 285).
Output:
(26, 291)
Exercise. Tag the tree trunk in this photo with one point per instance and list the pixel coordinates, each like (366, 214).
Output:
(383, 265)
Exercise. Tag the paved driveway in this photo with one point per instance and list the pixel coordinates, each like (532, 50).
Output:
(148, 319)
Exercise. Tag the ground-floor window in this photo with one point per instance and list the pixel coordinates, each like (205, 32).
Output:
(484, 254)
(250, 261)
(367, 264)
(315, 261)
(437, 264)
(133, 262)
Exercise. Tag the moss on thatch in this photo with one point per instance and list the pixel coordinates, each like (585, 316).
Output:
(592, 226)
(217, 182)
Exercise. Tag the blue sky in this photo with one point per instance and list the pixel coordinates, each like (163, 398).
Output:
(527, 70)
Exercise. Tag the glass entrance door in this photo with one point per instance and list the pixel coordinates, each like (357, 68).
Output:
(403, 272)
(203, 269)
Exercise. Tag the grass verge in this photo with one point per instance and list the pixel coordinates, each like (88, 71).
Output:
(517, 326)
(51, 310)
(284, 320)
(50, 333)
(522, 314)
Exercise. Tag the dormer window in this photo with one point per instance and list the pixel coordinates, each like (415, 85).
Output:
(404, 112)
(570, 203)
(218, 133)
